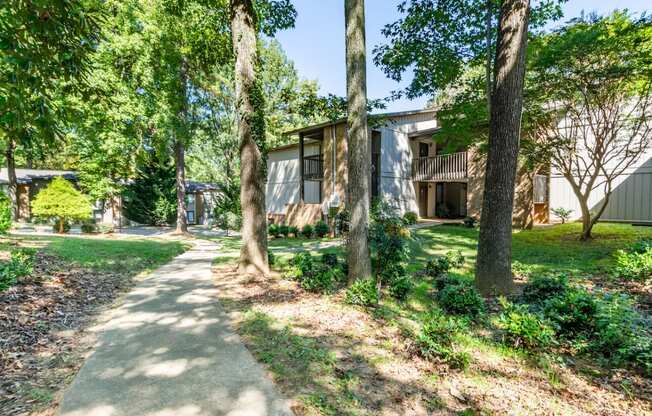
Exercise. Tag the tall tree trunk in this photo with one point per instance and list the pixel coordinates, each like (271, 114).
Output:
(251, 128)
(12, 188)
(359, 155)
(180, 152)
(493, 272)
(487, 65)
(180, 164)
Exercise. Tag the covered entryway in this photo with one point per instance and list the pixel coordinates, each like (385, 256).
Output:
(442, 200)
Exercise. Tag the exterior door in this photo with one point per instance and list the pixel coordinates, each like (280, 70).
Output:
(423, 149)
(423, 200)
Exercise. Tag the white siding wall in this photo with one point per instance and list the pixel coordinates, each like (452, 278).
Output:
(631, 199)
(283, 179)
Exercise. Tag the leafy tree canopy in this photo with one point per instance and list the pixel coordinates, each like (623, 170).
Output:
(61, 201)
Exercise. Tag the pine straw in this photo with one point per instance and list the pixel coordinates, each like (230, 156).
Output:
(42, 337)
(374, 369)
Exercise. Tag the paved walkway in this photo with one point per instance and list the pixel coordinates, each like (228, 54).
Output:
(168, 350)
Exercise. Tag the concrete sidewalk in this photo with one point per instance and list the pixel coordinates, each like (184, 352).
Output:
(168, 350)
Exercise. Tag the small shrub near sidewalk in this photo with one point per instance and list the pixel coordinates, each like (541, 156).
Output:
(435, 340)
(273, 230)
(294, 231)
(321, 229)
(89, 228)
(284, 230)
(307, 231)
(5, 213)
(461, 298)
(410, 218)
(313, 276)
(440, 265)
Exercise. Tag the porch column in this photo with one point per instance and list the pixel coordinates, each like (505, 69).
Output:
(301, 182)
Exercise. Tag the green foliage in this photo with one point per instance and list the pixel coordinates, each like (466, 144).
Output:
(283, 230)
(89, 228)
(227, 211)
(62, 202)
(273, 230)
(523, 328)
(435, 340)
(410, 218)
(469, 222)
(307, 231)
(5, 213)
(573, 312)
(562, 213)
(363, 292)
(321, 229)
(313, 276)
(441, 265)
(21, 264)
(271, 257)
(293, 230)
(635, 263)
(151, 197)
(461, 299)
(400, 286)
(541, 288)
(329, 259)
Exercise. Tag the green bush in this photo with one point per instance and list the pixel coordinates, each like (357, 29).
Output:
(523, 328)
(89, 228)
(469, 222)
(61, 202)
(271, 257)
(461, 299)
(362, 292)
(20, 264)
(321, 279)
(635, 263)
(447, 280)
(321, 229)
(293, 230)
(410, 218)
(307, 231)
(5, 213)
(400, 287)
(541, 288)
(329, 259)
(284, 230)
(273, 230)
(435, 340)
(572, 313)
(440, 265)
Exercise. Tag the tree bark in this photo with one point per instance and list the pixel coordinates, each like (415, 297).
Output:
(253, 255)
(359, 155)
(180, 165)
(180, 152)
(12, 188)
(487, 64)
(494, 263)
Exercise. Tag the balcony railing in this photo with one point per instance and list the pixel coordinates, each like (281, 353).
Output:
(440, 168)
(313, 168)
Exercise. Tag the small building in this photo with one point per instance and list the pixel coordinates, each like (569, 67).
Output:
(200, 197)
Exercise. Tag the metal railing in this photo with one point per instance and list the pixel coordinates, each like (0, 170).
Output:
(440, 168)
(313, 168)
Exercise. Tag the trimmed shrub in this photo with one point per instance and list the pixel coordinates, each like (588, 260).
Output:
(435, 341)
(321, 229)
(400, 287)
(89, 228)
(274, 230)
(461, 299)
(541, 288)
(293, 230)
(5, 213)
(523, 328)
(21, 264)
(362, 293)
(283, 230)
(307, 231)
(61, 202)
(410, 218)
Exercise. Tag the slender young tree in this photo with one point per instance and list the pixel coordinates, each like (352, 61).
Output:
(359, 157)
(493, 272)
(251, 134)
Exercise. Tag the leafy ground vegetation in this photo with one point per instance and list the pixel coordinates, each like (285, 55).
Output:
(50, 290)
(574, 340)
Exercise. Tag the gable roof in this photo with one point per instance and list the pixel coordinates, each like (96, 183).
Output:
(26, 176)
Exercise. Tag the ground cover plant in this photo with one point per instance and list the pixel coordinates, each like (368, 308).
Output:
(518, 353)
(59, 284)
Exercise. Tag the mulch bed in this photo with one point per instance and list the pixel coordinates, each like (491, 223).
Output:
(42, 321)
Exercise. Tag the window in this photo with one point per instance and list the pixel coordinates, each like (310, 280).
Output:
(540, 189)
(190, 208)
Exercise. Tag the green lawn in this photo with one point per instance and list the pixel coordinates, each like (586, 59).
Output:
(130, 256)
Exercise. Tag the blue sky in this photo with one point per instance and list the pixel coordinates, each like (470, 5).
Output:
(316, 44)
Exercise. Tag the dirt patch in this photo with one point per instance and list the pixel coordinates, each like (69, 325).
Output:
(42, 336)
(329, 358)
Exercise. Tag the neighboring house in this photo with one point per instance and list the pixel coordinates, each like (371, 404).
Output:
(409, 170)
(199, 197)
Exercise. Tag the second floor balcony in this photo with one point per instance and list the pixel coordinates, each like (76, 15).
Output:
(443, 168)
